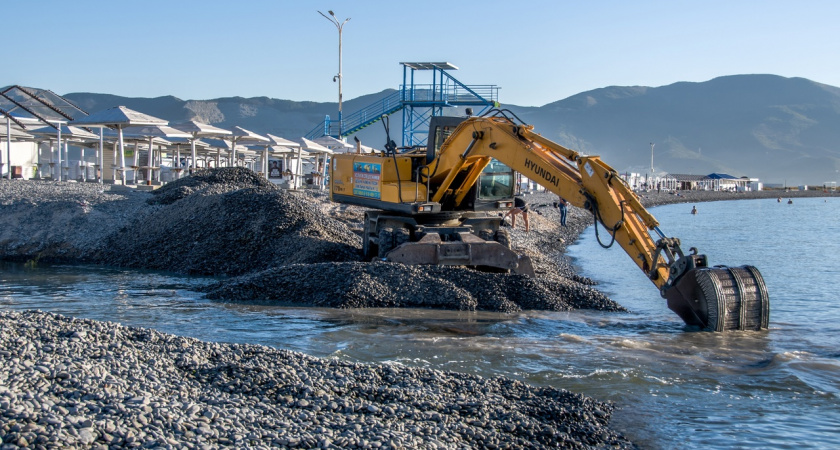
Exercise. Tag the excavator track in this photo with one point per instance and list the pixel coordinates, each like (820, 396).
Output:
(721, 298)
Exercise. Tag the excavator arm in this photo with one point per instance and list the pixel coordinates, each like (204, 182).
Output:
(716, 299)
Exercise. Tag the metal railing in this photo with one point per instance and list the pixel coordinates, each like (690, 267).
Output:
(450, 94)
(358, 119)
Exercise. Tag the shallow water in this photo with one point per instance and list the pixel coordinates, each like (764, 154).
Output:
(778, 388)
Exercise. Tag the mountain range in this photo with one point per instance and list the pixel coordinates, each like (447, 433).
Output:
(780, 130)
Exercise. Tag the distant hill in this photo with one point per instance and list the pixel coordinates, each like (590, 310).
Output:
(778, 129)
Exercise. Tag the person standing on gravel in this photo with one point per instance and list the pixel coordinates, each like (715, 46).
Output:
(520, 206)
(563, 206)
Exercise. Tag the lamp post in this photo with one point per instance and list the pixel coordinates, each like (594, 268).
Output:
(339, 25)
(650, 184)
(651, 157)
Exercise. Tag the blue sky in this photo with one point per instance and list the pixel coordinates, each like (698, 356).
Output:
(536, 51)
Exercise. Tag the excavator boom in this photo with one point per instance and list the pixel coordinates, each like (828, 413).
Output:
(444, 180)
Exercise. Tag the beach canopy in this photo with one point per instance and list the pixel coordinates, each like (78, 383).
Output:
(295, 152)
(314, 147)
(318, 149)
(119, 117)
(242, 135)
(162, 131)
(42, 105)
(26, 106)
(13, 131)
(278, 141)
(222, 144)
(199, 130)
(333, 143)
(152, 132)
(175, 141)
(63, 133)
(67, 132)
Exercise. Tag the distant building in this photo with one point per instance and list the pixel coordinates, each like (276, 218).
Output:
(657, 181)
(726, 182)
(689, 182)
(716, 182)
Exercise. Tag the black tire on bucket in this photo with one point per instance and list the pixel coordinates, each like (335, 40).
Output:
(733, 298)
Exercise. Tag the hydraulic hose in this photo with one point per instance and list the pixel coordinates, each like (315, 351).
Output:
(596, 214)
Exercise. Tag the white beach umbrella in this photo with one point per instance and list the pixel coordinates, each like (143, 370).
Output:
(117, 118)
(10, 133)
(150, 133)
(334, 144)
(199, 130)
(314, 147)
(278, 141)
(13, 132)
(241, 135)
(274, 142)
(318, 149)
(223, 146)
(194, 145)
(66, 133)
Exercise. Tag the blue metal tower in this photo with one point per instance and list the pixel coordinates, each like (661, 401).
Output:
(418, 102)
(423, 101)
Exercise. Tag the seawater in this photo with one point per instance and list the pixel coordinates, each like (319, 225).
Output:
(672, 388)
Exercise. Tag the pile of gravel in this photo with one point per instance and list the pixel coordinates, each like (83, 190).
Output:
(209, 181)
(382, 284)
(80, 383)
(63, 221)
(229, 221)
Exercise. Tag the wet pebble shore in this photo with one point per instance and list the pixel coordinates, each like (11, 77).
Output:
(76, 383)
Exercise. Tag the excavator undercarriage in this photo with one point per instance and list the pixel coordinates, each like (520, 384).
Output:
(442, 239)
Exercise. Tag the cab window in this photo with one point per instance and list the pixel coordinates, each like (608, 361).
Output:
(495, 182)
(441, 135)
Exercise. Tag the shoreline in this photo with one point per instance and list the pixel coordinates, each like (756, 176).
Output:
(80, 382)
(651, 199)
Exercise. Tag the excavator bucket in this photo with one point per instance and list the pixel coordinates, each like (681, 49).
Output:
(470, 250)
(721, 298)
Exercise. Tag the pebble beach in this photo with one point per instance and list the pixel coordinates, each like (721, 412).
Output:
(77, 383)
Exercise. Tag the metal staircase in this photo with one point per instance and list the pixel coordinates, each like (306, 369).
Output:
(359, 119)
(419, 102)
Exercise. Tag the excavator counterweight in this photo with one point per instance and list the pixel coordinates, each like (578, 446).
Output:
(441, 205)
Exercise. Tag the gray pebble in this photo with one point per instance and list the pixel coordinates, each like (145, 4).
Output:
(253, 396)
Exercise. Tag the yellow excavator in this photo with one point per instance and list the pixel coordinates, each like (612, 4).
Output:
(441, 205)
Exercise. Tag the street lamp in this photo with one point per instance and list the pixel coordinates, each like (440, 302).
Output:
(651, 158)
(339, 25)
